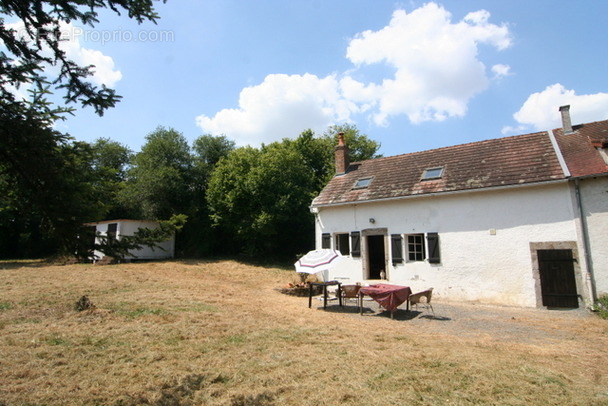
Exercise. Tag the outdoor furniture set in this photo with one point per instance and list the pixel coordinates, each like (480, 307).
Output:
(387, 296)
(390, 297)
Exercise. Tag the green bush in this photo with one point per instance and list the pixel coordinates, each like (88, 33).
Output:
(601, 306)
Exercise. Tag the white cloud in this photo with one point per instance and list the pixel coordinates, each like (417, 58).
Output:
(280, 107)
(104, 69)
(436, 62)
(501, 71)
(541, 110)
(435, 69)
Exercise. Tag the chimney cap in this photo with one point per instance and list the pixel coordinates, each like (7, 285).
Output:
(564, 108)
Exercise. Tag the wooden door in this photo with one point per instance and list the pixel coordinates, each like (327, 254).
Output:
(558, 284)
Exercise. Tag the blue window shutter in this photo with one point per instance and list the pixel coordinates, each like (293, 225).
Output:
(433, 243)
(355, 243)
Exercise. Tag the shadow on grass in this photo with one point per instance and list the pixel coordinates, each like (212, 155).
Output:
(376, 311)
(10, 264)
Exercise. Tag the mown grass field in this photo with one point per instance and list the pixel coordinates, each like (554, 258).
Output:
(220, 333)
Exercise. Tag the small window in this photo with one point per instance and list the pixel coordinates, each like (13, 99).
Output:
(343, 243)
(325, 240)
(415, 247)
(432, 173)
(362, 183)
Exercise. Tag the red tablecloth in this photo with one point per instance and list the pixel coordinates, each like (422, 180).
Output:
(388, 296)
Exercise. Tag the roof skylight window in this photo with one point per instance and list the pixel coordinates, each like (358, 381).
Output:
(362, 183)
(432, 173)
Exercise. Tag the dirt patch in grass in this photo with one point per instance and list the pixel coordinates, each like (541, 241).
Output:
(221, 333)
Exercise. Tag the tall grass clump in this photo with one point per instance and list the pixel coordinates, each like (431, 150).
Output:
(601, 306)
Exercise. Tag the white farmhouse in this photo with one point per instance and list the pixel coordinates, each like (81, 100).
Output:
(118, 228)
(518, 221)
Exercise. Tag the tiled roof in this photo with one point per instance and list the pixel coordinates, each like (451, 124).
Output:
(522, 159)
(579, 148)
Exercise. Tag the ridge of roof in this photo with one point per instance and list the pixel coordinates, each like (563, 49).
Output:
(449, 147)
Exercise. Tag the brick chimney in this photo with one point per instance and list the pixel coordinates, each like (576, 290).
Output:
(342, 160)
(566, 122)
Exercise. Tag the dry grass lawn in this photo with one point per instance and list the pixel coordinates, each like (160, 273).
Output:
(220, 333)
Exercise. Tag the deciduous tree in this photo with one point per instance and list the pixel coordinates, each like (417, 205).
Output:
(160, 182)
(261, 196)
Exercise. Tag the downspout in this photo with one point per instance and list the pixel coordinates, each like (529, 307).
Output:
(584, 230)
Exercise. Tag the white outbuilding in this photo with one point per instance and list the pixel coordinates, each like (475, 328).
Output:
(117, 228)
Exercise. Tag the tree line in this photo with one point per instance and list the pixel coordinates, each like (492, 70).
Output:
(237, 201)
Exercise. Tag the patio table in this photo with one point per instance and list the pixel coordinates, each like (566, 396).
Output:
(324, 285)
(388, 296)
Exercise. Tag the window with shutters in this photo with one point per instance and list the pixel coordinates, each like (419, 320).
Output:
(343, 243)
(415, 247)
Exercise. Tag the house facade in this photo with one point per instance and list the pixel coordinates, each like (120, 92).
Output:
(518, 221)
(117, 228)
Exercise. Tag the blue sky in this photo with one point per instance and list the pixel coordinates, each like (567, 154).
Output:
(412, 75)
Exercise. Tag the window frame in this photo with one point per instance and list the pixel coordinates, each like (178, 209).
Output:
(368, 181)
(325, 241)
(426, 174)
(418, 254)
(342, 239)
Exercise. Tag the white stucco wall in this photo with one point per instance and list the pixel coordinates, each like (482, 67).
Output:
(594, 201)
(129, 227)
(484, 239)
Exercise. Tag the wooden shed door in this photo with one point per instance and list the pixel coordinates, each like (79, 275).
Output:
(557, 281)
